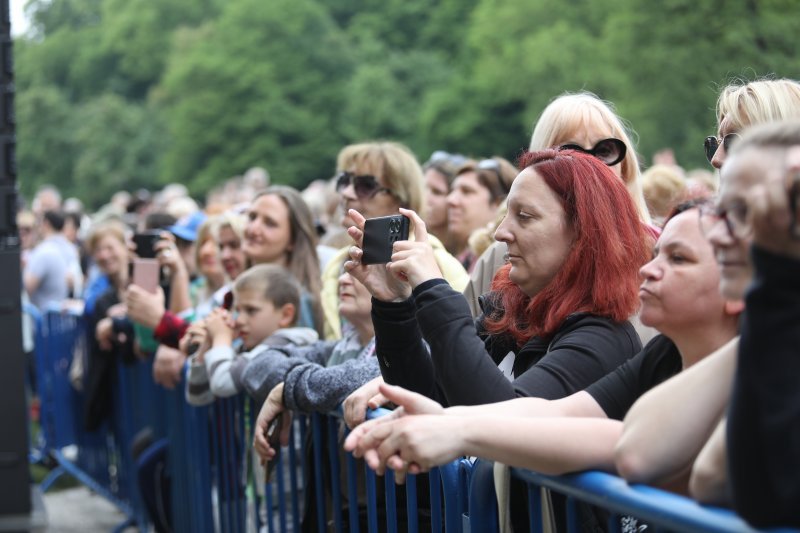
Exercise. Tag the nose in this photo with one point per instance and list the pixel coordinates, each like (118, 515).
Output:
(348, 192)
(719, 156)
(345, 279)
(651, 270)
(453, 198)
(503, 233)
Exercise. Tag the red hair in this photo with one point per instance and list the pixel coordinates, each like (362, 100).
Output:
(601, 274)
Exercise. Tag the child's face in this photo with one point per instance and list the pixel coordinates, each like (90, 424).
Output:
(256, 318)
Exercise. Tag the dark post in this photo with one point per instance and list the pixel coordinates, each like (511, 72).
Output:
(15, 483)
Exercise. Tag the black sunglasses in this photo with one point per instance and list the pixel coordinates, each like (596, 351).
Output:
(610, 151)
(711, 144)
(365, 186)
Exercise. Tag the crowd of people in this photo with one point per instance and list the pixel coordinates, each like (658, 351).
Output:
(568, 313)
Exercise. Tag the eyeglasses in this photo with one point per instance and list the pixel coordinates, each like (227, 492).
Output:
(733, 215)
(711, 144)
(365, 186)
(610, 151)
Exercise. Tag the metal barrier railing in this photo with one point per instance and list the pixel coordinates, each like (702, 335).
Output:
(214, 486)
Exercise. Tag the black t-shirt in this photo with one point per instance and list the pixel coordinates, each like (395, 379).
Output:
(616, 392)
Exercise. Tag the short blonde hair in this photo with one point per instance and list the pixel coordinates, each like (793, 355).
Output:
(756, 102)
(572, 112)
(235, 221)
(394, 163)
(663, 188)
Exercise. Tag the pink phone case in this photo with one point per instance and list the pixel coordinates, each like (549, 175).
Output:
(146, 273)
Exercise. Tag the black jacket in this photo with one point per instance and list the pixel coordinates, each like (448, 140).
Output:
(764, 418)
(461, 368)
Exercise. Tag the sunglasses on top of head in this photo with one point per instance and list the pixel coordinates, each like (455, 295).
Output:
(711, 144)
(610, 151)
(365, 186)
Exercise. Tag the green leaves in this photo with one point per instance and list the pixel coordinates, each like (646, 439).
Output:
(124, 93)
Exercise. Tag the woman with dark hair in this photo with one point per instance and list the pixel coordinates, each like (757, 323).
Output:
(478, 190)
(556, 320)
(280, 230)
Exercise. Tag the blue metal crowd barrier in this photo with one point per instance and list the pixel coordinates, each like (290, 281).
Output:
(214, 485)
(99, 459)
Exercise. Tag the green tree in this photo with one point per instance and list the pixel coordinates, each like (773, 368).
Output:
(261, 86)
(118, 145)
(45, 140)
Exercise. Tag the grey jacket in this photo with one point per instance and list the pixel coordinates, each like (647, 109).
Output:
(220, 375)
(309, 385)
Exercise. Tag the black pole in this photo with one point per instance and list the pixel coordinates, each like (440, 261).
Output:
(15, 482)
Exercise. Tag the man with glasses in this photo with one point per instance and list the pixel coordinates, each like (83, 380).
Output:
(761, 190)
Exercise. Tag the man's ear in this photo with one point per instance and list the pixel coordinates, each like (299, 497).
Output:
(734, 307)
(288, 313)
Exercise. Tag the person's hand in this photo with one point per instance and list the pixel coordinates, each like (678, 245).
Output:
(272, 406)
(167, 253)
(775, 227)
(167, 366)
(104, 333)
(413, 261)
(117, 310)
(365, 439)
(219, 327)
(376, 278)
(415, 444)
(144, 307)
(195, 341)
(367, 395)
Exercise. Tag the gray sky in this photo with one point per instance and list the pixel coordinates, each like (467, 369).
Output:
(19, 24)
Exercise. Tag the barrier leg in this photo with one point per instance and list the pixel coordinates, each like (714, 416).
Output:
(333, 454)
(391, 502)
(316, 434)
(411, 503)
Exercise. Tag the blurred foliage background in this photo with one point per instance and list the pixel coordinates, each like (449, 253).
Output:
(121, 94)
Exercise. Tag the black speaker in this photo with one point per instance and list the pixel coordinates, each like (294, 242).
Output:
(15, 482)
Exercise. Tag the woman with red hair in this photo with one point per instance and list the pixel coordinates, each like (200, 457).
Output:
(556, 319)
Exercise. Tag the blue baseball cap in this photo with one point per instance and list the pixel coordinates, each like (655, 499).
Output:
(186, 228)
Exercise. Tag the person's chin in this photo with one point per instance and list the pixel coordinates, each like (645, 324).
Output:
(733, 289)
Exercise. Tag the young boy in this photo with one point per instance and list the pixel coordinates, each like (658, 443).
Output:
(266, 300)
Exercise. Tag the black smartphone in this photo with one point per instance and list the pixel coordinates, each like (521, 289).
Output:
(145, 243)
(273, 434)
(379, 235)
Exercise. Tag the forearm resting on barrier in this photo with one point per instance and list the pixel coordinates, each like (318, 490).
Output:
(666, 428)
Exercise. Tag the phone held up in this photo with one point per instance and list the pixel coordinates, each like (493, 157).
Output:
(146, 273)
(379, 235)
(145, 243)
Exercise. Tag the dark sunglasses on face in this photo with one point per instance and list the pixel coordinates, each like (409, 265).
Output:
(711, 144)
(365, 186)
(610, 151)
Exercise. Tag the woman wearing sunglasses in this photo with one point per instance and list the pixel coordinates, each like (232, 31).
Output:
(746, 104)
(580, 122)
(557, 318)
(377, 179)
